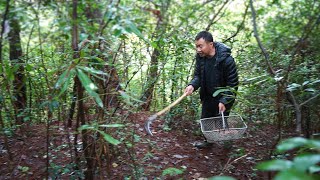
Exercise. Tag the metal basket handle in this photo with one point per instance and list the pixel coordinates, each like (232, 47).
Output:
(223, 121)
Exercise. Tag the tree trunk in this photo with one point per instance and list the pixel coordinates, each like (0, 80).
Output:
(73, 105)
(297, 109)
(151, 80)
(3, 27)
(5, 138)
(19, 86)
(307, 119)
(152, 76)
(87, 147)
(298, 119)
(111, 84)
(279, 110)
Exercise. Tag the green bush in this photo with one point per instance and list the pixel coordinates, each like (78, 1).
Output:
(304, 165)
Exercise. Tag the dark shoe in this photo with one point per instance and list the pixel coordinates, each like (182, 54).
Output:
(202, 145)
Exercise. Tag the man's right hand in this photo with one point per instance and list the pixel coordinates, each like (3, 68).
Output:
(189, 90)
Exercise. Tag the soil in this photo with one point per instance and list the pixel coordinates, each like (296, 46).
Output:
(152, 157)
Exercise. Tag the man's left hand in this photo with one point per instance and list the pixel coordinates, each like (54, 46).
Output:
(222, 108)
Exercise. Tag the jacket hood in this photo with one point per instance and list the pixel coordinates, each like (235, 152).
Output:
(222, 50)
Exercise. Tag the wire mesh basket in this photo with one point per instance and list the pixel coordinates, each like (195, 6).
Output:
(223, 128)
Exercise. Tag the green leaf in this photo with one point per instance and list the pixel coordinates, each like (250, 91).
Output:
(314, 144)
(112, 125)
(292, 175)
(131, 27)
(154, 44)
(98, 100)
(24, 169)
(221, 178)
(304, 162)
(100, 61)
(67, 81)
(29, 67)
(85, 127)
(278, 78)
(314, 169)
(171, 172)
(275, 165)
(136, 138)
(316, 81)
(86, 81)
(108, 138)
(127, 98)
(83, 36)
(217, 92)
(92, 70)
(10, 72)
(310, 90)
(305, 83)
(293, 87)
(61, 79)
(253, 78)
(117, 32)
(89, 86)
(291, 143)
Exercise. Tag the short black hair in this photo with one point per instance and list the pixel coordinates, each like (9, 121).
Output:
(205, 35)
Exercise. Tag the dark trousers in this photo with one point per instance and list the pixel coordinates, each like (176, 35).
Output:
(210, 107)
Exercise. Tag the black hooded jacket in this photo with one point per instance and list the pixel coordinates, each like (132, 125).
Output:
(223, 74)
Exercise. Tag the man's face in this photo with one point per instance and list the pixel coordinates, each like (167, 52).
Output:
(203, 47)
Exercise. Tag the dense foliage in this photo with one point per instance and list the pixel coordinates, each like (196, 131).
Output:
(86, 62)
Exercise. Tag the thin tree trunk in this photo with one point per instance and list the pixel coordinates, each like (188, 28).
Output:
(28, 74)
(89, 173)
(111, 84)
(3, 27)
(256, 35)
(240, 26)
(19, 86)
(307, 128)
(152, 75)
(6, 144)
(73, 105)
(174, 80)
(152, 79)
(75, 36)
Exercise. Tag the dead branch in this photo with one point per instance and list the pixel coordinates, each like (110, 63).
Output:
(309, 27)
(240, 26)
(211, 22)
(310, 99)
(104, 24)
(256, 35)
(229, 163)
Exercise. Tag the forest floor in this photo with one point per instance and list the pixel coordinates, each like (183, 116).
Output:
(154, 157)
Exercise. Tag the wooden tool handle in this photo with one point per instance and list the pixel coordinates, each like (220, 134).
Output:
(172, 104)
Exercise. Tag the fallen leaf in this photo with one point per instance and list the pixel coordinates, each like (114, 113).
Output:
(114, 165)
(196, 175)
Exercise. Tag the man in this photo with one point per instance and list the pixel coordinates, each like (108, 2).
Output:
(215, 69)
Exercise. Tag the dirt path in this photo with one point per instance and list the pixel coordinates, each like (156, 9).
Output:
(151, 156)
(174, 149)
